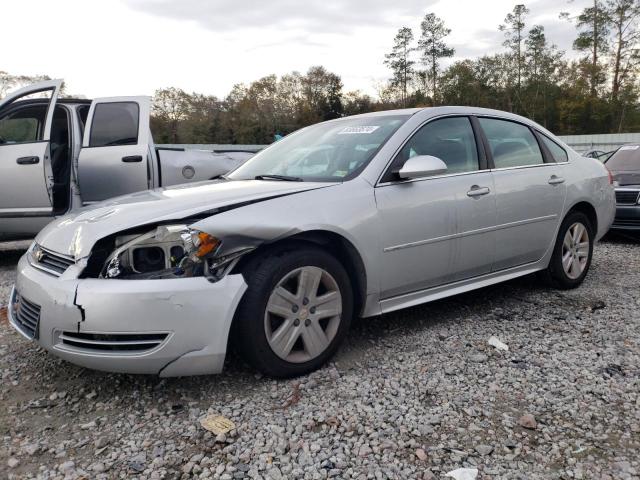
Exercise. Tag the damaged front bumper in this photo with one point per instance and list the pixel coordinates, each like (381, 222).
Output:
(170, 327)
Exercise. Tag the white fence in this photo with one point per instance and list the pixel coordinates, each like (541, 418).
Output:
(605, 141)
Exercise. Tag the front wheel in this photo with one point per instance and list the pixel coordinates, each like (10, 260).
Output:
(295, 313)
(572, 252)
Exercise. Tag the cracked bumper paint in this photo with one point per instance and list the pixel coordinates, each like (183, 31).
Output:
(193, 314)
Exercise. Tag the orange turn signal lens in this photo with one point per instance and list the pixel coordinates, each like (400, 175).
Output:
(205, 244)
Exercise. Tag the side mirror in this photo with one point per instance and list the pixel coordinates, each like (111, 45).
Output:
(422, 166)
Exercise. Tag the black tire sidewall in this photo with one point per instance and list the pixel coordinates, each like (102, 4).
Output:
(262, 276)
(558, 276)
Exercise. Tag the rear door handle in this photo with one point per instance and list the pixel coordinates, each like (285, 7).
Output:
(28, 160)
(477, 191)
(555, 180)
(132, 159)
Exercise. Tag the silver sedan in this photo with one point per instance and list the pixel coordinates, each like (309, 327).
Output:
(356, 216)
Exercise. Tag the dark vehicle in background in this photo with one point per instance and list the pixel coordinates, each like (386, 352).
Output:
(624, 166)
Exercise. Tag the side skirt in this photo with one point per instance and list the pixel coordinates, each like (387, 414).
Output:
(422, 296)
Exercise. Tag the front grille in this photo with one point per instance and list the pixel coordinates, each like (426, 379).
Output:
(26, 314)
(113, 342)
(626, 197)
(626, 222)
(51, 262)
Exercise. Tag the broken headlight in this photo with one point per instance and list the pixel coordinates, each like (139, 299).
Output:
(168, 251)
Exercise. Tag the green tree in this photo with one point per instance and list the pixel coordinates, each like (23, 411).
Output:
(433, 48)
(542, 63)
(513, 28)
(624, 16)
(170, 107)
(400, 63)
(593, 31)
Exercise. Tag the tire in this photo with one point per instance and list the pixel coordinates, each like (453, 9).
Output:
(579, 255)
(274, 313)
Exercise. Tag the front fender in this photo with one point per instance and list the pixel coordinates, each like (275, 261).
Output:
(347, 210)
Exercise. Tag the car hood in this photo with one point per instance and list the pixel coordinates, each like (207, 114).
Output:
(76, 233)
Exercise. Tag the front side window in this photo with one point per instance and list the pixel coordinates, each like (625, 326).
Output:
(450, 139)
(114, 124)
(512, 144)
(23, 126)
(557, 152)
(327, 152)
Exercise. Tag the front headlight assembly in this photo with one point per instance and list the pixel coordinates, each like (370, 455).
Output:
(168, 251)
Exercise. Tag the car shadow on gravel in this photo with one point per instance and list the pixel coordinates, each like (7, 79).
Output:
(437, 315)
(10, 253)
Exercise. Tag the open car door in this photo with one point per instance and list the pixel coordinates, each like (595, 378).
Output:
(25, 165)
(114, 158)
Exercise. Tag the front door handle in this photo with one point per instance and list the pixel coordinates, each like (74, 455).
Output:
(132, 159)
(555, 180)
(28, 160)
(477, 191)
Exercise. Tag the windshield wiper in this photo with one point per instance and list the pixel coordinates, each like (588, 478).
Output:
(284, 178)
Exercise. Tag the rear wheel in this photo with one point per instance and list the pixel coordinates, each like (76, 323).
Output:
(295, 313)
(572, 252)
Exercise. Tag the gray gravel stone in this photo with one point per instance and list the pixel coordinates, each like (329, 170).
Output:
(452, 402)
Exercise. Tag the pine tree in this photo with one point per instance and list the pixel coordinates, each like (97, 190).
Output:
(433, 48)
(399, 62)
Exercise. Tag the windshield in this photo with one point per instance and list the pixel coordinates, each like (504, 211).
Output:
(625, 159)
(327, 152)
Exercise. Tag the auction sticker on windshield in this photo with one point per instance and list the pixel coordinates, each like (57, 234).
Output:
(356, 130)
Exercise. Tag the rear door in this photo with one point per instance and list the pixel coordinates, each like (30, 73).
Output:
(529, 187)
(114, 159)
(25, 170)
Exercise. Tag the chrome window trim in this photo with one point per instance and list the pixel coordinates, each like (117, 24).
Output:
(520, 167)
(434, 177)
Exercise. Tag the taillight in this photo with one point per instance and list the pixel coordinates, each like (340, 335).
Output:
(610, 176)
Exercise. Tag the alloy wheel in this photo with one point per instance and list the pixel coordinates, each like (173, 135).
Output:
(303, 314)
(575, 250)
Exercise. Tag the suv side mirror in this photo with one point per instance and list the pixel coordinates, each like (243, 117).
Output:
(422, 166)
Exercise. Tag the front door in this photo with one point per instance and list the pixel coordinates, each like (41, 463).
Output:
(114, 159)
(530, 192)
(25, 169)
(436, 230)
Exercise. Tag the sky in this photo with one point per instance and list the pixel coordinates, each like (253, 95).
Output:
(132, 47)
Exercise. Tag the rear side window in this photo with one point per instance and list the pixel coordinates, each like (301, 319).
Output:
(512, 144)
(450, 139)
(114, 124)
(557, 152)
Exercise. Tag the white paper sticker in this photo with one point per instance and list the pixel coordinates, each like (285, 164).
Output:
(629, 147)
(357, 130)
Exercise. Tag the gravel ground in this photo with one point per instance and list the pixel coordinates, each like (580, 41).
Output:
(412, 394)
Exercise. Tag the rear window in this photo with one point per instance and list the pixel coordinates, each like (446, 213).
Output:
(114, 124)
(557, 152)
(626, 159)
